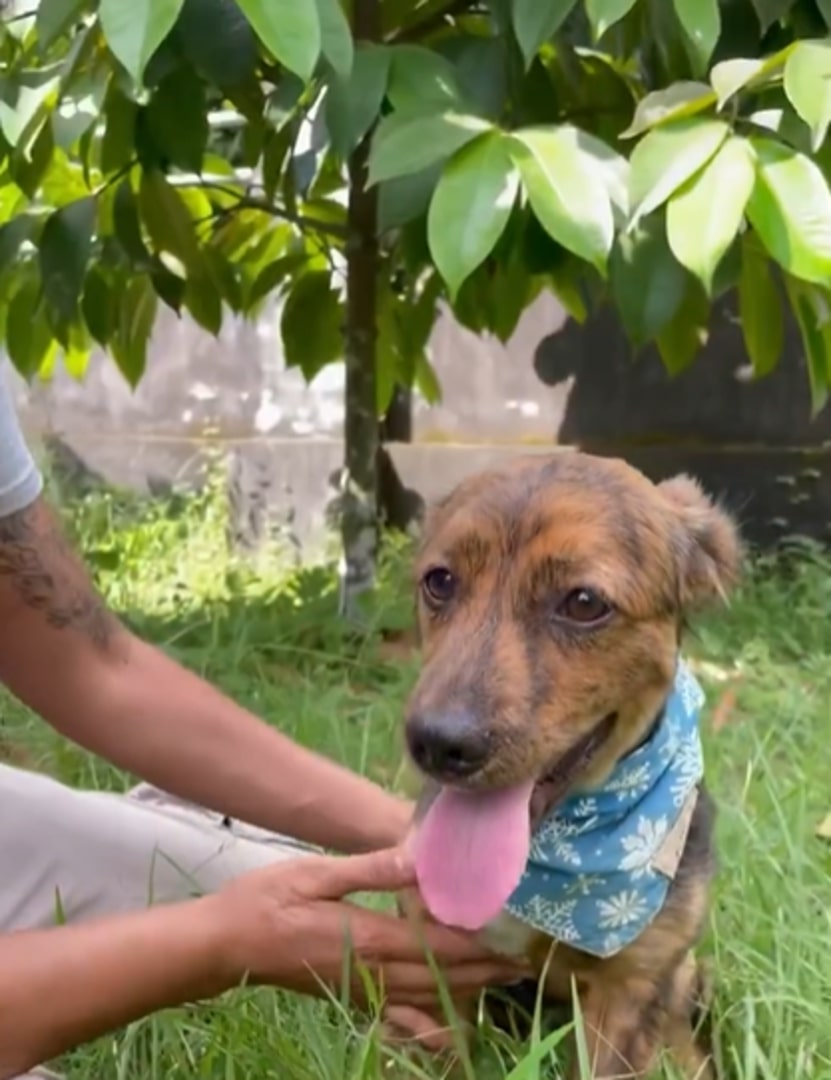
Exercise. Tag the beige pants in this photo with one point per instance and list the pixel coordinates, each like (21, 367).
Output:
(84, 854)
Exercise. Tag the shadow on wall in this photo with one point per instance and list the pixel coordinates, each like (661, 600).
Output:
(631, 400)
(751, 442)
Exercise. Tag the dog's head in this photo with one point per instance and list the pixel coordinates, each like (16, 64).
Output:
(551, 595)
(551, 598)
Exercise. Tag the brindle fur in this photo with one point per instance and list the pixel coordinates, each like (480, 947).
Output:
(516, 539)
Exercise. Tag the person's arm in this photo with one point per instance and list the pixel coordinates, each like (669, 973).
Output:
(66, 656)
(286, 925)
(100, 975)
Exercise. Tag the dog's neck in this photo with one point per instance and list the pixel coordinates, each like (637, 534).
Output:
(597, 869)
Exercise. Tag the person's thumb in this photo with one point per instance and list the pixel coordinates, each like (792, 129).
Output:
(333, 877)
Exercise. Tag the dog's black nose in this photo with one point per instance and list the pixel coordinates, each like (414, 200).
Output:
(447, 745)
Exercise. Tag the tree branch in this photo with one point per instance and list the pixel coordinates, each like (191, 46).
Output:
(18, 16)
(247, 201)
(421, 28)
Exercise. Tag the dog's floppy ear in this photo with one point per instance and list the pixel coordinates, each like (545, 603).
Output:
(710, 549)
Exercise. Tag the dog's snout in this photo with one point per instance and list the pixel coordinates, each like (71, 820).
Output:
(448, 744)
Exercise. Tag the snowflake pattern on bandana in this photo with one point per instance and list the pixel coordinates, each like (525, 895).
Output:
(590, 881)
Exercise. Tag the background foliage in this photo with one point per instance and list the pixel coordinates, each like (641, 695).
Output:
(364, 161)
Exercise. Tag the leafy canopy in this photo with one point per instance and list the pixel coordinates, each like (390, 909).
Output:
(652, 154)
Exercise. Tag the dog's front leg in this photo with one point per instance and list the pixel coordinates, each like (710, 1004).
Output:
(688, 1006)
(621, 1032)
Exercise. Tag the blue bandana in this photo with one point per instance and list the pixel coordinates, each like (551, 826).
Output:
(593, 879)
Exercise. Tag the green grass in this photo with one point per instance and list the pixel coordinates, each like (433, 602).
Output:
(272, 641)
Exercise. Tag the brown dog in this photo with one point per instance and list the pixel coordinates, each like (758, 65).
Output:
(552, 595)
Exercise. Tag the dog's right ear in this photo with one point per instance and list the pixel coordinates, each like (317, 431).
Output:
(710, 548)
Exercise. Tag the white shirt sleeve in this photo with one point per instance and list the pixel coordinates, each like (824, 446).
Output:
(20, 479)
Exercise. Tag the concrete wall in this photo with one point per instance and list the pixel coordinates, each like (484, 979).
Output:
(553, 384)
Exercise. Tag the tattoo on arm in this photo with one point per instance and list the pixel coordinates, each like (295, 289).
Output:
(37, 560)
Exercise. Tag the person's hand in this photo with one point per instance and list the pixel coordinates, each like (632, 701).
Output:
(290, 926)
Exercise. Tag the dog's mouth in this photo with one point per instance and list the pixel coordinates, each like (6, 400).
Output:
(556, 781)
(472, 847)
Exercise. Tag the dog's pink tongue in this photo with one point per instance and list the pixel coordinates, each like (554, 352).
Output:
(470, 852)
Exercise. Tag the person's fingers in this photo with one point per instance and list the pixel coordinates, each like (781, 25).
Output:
(451, 947)
(380, 939)
(403, 1023)
(405, 982)
(333, 877)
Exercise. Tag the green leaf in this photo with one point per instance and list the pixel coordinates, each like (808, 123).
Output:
(218, 40)
(648, 283)
(824, 10)
(169, 288)
(405, 144)
(27, 170)
(168, 222)
(25, 98)
(336, 37)
(275, 153)
(481, 66)
(163, 60)
(668, 156)
(771, 11)
(136, 315)
(290, 29)
(421, 79)
(64, 251)
(790, 209)
(76, 353)
(134, 29)
(310, 323)
(127, 227)
(405, 198)
(119, 130)
(535, 21)
(53, 18)
(760, 309)
(420, 318)
(13, 234)
(392, 367)
(566, 191)
(275, 273)
(471, 206)
(810, 309)
(726, 276)
(612, 170)
(605, 13)
(203, 301)
(352, 104)
(79, 110)
(730, 76)
(679, 100)
(28, 337)
(706, 213)
(177, 119)
(784, 123)
(681, 339)
(512, 286)
(63, 182)
(427, 381)
(808, 86)
(701, 22)
(98, 306)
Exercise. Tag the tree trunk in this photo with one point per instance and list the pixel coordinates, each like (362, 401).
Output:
(359, 481)
(399, 506)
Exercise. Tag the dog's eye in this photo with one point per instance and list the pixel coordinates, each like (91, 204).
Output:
(583, 606)
(439, 584)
